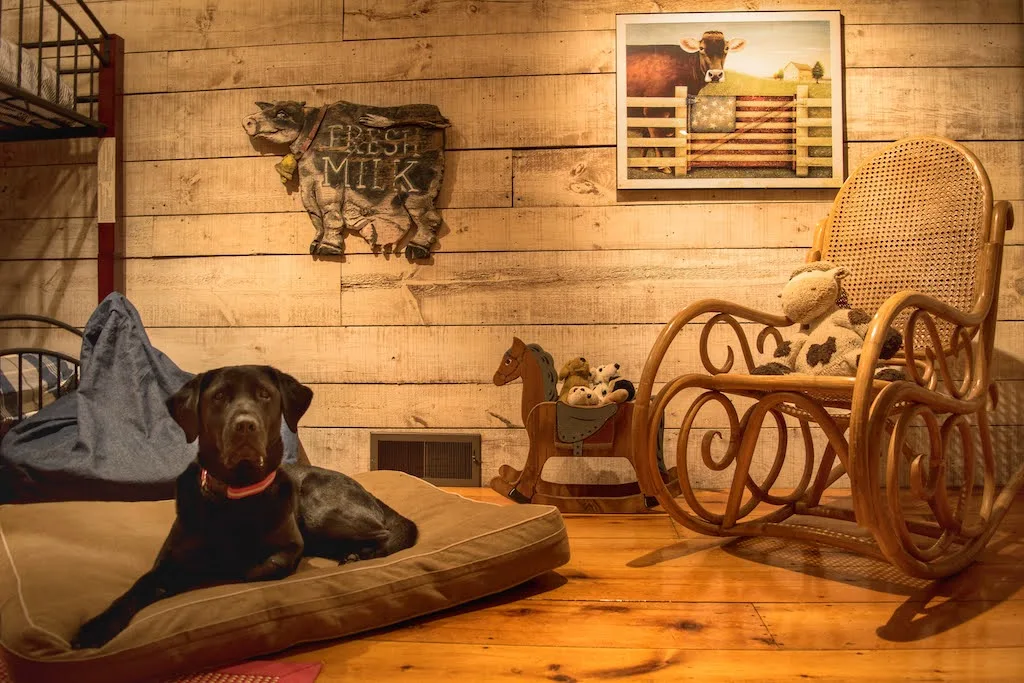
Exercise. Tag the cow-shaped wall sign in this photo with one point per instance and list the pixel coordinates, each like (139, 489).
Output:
(371, 170)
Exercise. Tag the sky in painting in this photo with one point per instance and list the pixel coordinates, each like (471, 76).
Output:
(770, 44)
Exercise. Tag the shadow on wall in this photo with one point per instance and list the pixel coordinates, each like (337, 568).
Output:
(46, 231)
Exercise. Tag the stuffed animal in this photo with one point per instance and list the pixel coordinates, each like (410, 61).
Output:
(575, 373)
(607, 377)
(604, 374)
(831, 333)
(582, 396)
(608, 395)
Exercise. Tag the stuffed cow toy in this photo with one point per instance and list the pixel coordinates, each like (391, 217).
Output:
(831, 333)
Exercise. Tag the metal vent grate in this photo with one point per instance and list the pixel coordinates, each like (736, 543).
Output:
(441, 459)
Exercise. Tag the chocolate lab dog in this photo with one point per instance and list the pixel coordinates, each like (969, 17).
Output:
(241, 514)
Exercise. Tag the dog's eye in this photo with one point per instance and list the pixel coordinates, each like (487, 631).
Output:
(264, 395)
(508, 360)
(219, 396)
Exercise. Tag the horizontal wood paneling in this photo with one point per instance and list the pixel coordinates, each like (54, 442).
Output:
(526, 111)
(397, 18)
(373, 60)
(464, 289)
(47, 152)
(529, 54)
(200, 24)
(472, 289)
(563, 177)
(458, 406)
(48, 238)
(486, 230)
(933, 45)
(64, 191)
(577, 110)
(579, 287)
(586, 177)
(65, 290)
(401, 355)
(422, 355)
(583, 177)
(348, 450)
(706, 223)
(251, 185)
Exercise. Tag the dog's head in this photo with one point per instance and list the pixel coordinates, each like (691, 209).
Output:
(235, 412)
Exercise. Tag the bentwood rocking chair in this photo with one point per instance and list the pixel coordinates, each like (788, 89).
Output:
(917, 229)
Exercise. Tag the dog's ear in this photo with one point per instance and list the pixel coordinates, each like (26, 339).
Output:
(184, 407)
(295, 398)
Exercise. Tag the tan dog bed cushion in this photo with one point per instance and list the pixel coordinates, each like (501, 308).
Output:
(62, 563)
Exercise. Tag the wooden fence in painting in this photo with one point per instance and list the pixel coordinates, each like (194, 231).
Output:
(771, 132)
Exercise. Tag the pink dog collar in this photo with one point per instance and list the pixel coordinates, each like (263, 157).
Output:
(236, 492)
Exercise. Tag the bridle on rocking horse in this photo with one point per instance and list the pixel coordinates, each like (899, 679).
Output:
(509, 368)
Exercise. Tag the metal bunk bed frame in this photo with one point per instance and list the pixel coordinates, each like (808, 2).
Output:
(27, 116)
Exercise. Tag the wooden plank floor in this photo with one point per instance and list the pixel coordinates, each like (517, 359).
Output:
(643, 599)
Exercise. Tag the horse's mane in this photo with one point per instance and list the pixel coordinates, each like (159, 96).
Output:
(547, 371)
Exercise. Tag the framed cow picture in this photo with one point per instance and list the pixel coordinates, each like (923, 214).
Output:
(729, 99)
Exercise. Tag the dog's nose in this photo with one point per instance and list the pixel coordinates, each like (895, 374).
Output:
(245, 424)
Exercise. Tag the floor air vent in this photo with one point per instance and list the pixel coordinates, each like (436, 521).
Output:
(441, 459)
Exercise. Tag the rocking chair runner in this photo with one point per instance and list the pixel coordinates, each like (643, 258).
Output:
(917, 229)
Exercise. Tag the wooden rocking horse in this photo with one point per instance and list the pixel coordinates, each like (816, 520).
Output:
(557, 429)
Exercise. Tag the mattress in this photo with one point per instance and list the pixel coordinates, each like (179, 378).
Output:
(44, 378)
(53, 89)
(65, 562)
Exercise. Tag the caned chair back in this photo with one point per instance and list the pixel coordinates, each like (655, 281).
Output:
(915, 216)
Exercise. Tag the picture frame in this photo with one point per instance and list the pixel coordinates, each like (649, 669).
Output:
(729, 100)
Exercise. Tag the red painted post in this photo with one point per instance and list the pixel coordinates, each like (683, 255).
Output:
(110, 204)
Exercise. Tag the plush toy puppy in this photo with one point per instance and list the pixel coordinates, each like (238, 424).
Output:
(608, 395)
(608, 377)
(604, 374)
(582, 396)
(621, 384)
(575, 373)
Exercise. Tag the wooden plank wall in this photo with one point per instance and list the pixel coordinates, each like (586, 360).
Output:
(537, 242)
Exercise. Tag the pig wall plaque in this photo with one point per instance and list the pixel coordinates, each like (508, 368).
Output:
(371, 170)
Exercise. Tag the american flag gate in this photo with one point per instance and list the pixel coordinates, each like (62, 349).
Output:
(743, 131)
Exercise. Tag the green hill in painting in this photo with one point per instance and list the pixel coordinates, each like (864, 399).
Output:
(736, 83)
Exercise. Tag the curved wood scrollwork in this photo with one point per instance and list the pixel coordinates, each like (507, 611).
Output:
(945, 516)
(741, 338)
(927, 367)
(744, 433)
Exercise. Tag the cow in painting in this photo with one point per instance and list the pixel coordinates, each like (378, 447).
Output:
(656, 71)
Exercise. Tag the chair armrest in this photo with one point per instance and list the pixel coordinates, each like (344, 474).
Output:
(871, 408)
(924, 309)
(724, 311)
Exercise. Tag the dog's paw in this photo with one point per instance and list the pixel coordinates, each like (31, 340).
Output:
(95, 633)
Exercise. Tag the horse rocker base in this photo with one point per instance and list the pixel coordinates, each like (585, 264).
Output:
(559, 430)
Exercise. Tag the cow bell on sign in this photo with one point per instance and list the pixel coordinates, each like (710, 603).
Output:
(375, 171)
